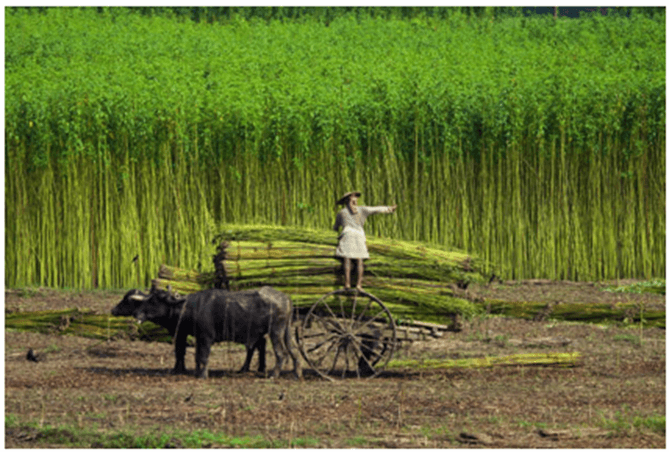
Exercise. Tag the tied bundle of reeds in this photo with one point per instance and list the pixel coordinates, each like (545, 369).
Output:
(415, 280)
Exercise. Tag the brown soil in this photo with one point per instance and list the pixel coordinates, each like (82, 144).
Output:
(615, 398)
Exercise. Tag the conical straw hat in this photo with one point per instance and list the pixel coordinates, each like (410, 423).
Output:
(343, 199)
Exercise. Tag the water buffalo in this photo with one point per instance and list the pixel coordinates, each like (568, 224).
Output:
(165, 309)
(217, 315)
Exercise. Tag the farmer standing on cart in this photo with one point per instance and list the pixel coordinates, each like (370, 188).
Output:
(352, 242)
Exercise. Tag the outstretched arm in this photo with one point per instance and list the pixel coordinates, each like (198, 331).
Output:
(379, 209)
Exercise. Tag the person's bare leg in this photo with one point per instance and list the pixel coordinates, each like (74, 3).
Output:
(360, 272)
(347, 273)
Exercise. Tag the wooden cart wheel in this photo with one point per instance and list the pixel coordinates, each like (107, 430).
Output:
(347, 333)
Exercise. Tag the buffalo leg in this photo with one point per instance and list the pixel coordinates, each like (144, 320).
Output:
(247, 361)
(260, 346)
(279, 349)
(288, 341)
(202, 350)
(180, 353)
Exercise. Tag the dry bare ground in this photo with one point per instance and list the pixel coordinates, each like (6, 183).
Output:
(91, 393)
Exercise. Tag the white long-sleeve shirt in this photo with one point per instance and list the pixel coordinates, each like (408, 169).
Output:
(352, 241)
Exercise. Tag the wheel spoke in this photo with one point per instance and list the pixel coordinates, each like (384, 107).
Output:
(325, 354)
(358, 355)
(369, 349)
(334, 361)
(328, 324)
(309, 336)
(370, 365)
(341, 307)
(332, 314)
(362, 314)
(362, 344)
(371, 319)
(320, 344)
(345, 371)
(355, 302)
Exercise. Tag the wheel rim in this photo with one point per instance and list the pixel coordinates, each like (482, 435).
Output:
(347, 333)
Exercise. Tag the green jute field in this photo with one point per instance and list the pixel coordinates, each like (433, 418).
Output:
(132, 134)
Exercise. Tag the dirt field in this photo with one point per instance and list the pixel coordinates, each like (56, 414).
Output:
(89, 393)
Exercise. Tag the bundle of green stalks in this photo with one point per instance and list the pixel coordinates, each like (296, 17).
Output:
(625, 313)
(415, 281)
(85, 323)
(525, 359)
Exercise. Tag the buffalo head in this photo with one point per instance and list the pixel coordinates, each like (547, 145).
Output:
(131, 301)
